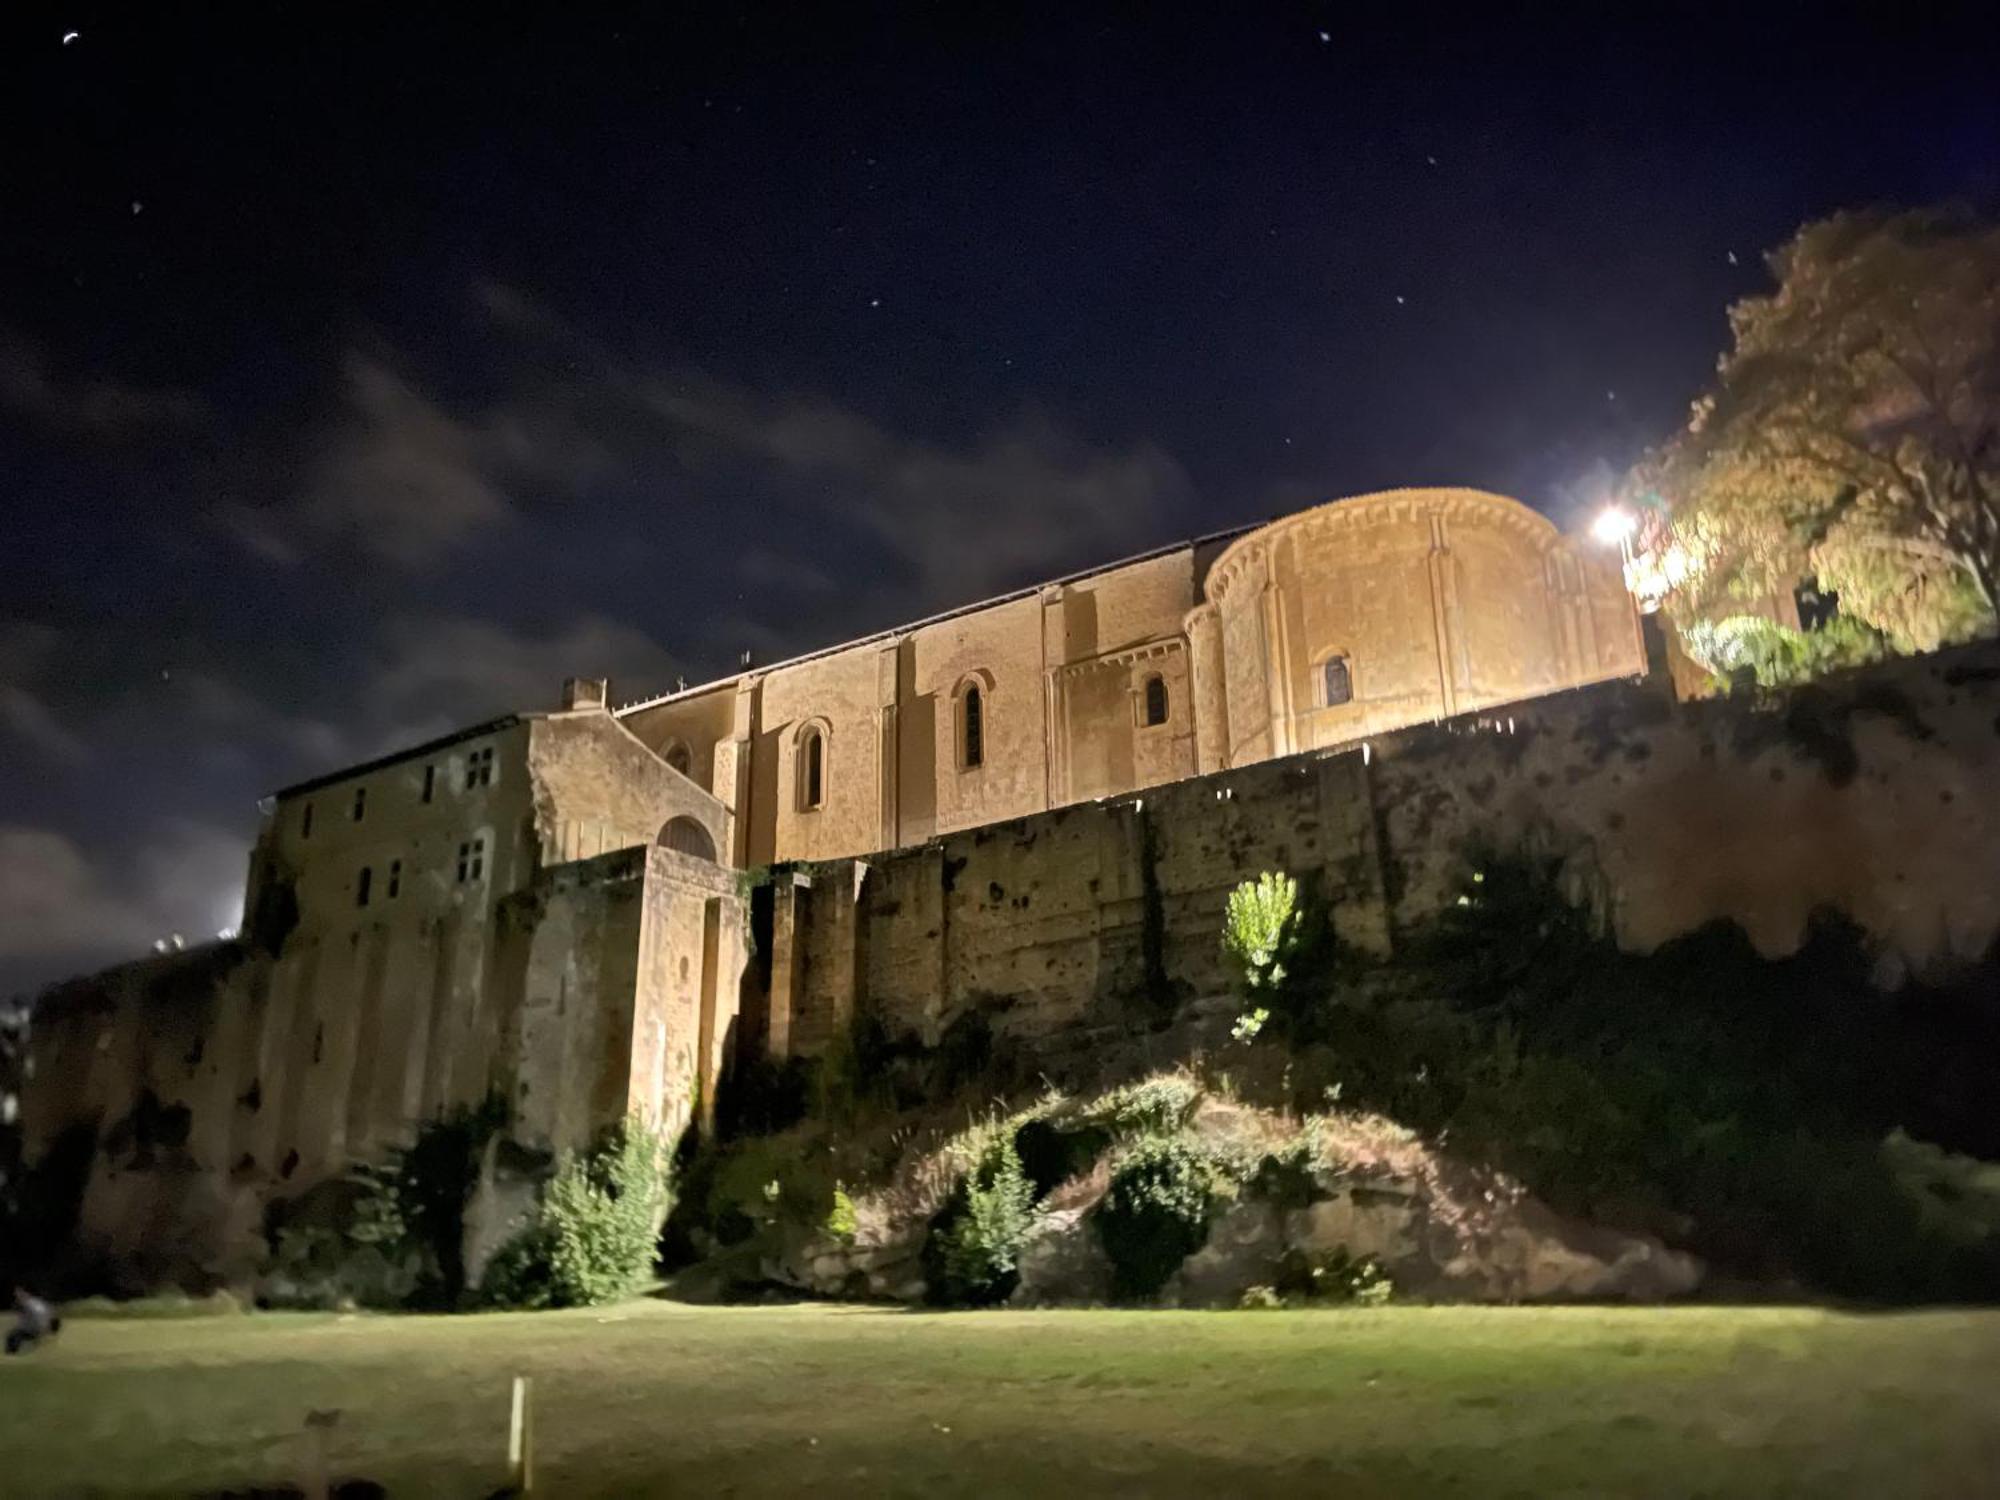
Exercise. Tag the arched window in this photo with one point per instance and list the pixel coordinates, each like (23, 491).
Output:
(679, 757)
(1155, 708)
(812, 768)
(685, 836)
(971, 729)
(1336, 682)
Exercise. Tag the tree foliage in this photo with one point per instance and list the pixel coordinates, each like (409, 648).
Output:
(1852, 433)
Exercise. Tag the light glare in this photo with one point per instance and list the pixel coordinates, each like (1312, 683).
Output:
(1613, 524)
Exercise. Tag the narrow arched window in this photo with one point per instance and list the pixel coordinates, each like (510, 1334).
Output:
(972, 729)
(1336, 682)
(812, 769)
(362, 884)
(679, 757)
(1156, 699)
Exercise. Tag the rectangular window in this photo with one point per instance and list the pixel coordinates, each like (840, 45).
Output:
(360, 802)
(1336, 681)
(430, 781)
(306, 822)
(479, 768)
(472, 860)
(975, 729)
(361, 885)
(395, 878)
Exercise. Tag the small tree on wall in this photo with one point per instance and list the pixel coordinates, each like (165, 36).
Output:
(1262, 930)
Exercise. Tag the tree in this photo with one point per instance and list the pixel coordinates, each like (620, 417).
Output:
(1852, 433)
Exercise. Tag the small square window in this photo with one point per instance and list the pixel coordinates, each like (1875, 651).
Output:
(479, 768)
(360, 802)
(472, 860)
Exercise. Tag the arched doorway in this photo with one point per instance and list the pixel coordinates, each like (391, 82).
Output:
(684, 835)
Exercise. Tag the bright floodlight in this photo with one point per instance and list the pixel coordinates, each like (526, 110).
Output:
(1613, 524)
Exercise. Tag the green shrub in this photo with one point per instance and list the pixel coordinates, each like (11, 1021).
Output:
(1155, 1213)
(1262, 928)
(841, 1220)
(596, 1230)
(986, 1227)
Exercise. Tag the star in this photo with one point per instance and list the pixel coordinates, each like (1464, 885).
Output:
(1326, 36)
(1732, 257)
(1399, 300)
(874, 301)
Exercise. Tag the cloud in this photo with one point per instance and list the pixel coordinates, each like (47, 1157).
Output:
(434, 675)
(87, 407)
(1022, 503)
(402, 480)
(53, 903)
(58, 909)
(31, 721)
(26, 651)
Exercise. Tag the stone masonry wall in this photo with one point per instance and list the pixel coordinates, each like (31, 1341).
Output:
(1872, 794)
(1045, 919)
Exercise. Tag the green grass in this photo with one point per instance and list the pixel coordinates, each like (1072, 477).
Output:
(655, 1398)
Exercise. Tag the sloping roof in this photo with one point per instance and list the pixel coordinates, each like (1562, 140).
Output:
(1027, 592)
(428, 747)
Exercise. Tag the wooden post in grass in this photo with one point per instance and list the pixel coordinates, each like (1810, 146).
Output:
(319, 1475)
(521, 1437)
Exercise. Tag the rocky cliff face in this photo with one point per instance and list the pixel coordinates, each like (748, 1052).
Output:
(1353, 1189)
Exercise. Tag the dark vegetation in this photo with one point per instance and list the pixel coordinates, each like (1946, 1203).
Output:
(1741, 1107)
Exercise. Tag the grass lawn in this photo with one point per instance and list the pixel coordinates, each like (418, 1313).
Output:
(656, 1398)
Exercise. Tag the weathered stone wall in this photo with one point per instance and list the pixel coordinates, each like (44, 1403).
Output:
(212, 1082)
(1870, 794)
(1045, 920)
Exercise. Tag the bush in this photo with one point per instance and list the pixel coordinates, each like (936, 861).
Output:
(596, 1231)
(1155, 1213)
(986, 1227)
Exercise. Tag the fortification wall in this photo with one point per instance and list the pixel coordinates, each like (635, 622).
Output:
(1871, 795)
(191, 1090)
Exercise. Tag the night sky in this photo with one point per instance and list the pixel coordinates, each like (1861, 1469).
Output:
(364, 371)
